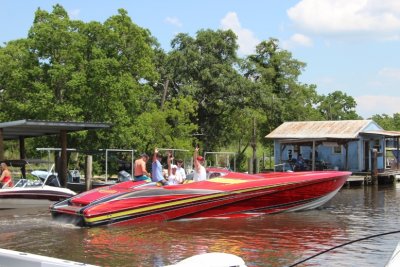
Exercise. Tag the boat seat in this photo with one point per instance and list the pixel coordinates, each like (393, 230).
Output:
(53, 181)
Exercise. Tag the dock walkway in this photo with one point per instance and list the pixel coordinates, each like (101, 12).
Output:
(361, 178)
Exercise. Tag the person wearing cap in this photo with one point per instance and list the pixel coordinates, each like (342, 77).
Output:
(174, 177)
(140, 173)
(199, 170)
(156, 169)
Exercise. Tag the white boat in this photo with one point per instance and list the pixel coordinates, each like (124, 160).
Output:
(394, 260)
(11, 258)
(213, 259)
(35, 192)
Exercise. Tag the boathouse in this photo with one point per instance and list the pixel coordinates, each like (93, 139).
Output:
(22, 129)
(353, 145)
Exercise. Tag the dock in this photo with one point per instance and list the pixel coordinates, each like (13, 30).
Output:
(356, 180)
(366, 178)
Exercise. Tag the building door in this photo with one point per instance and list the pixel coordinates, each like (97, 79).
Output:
(366, 156)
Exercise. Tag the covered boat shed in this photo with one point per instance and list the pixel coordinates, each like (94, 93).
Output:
(344, 145)
(21, 129)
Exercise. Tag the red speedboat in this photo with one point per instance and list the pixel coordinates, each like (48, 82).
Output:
(224, 194)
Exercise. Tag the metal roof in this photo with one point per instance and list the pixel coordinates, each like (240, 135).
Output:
(384, 133)
(346, 129)
(31, 128)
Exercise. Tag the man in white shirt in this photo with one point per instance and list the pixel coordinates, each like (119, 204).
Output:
(199, 170)
(180, 169)
(173, 176)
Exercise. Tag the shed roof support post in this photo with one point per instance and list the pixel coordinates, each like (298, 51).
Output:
(62, 174)
(281, 149)
(397, 154)
(22, 154)
(1, 144)
(346, 164)
(313, 155)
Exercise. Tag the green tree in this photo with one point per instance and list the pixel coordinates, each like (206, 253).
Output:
(388, 122)
(338, 106)
(276, 91)
(205, 67)
(20, 88)
(75, 71)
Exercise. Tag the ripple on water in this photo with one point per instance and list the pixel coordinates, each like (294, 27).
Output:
(273, 240)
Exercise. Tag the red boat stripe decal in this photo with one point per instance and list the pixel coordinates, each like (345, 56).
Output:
(175, 203)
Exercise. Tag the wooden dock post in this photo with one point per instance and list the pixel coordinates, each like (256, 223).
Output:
(374, 166)
(250, 165)
(88, 172)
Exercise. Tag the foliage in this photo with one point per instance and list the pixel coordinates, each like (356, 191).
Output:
(338, 106)
(387, 122)
(74, 71)
(276, 92)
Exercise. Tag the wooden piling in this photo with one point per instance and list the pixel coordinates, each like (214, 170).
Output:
(374, 166)
(88, 172)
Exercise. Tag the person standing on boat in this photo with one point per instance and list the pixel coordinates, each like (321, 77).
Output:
(180, 169)
(199, 170)
(5, 178)
(174, 177)
(141, 173)
(300, 163)
(156, 168)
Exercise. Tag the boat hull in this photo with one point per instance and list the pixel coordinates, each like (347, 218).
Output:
(15, 198)
(11, 258)
(225, 196)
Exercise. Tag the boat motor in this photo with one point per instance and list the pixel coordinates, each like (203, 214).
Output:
(124, 176)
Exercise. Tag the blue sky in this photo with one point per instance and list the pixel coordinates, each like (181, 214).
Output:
(351, 46)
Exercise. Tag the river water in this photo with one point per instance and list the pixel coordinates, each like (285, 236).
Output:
(270, 240)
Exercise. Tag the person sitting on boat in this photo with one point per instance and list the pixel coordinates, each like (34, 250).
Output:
(141, 173)
(199, 170)
(300, 164)
(156, 169)
(5, 178)
(174, 177)
(180, 169)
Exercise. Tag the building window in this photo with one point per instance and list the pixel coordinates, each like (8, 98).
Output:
(337, 150)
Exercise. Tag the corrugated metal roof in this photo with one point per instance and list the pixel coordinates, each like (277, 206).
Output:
(346, 129)
(32, 128)
(384, 133)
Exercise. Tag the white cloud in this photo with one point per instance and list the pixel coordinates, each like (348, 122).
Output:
(74, 14)
(386, 81)
(368, 105)
(343, 17)
(247, 41)
(173, 21)
(391, 73)
(297, 40)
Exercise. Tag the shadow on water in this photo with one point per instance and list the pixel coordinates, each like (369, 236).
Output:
(271, 240)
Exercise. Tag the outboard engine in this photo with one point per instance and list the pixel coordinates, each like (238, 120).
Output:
(124, 176)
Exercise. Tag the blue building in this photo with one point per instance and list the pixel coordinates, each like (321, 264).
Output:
(354, 145)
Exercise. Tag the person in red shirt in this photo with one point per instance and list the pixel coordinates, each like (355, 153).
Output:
(5, 178)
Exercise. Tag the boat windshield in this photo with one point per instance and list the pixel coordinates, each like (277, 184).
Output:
(28, 183)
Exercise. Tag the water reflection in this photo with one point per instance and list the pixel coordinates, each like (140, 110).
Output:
(272, 240)
(279, 238)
